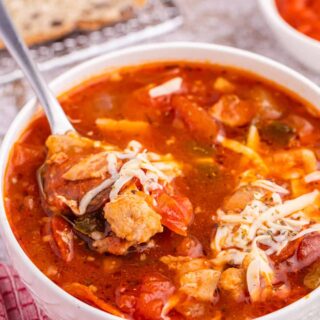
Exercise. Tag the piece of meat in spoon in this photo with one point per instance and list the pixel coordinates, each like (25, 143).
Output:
(130, 190)
(74, 165)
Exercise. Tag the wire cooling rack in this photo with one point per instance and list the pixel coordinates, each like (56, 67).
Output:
(158, 17)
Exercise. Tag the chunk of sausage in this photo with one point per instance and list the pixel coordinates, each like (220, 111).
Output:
(74, 165)
(176, 211)
(202, 126)
(233, 283)
(308, 251)
(239, 199)
(287, 252)
(131, 218)
(63, 196)
(233, 111)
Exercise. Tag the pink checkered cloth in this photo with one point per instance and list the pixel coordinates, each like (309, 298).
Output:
(16, 302)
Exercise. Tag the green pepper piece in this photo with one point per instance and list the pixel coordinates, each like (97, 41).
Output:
(277, 133)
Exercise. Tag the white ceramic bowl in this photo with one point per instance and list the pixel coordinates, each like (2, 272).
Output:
(305, 49)
(56, 302)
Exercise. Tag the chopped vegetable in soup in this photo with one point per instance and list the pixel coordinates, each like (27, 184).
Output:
(190, 192)
(303, 15)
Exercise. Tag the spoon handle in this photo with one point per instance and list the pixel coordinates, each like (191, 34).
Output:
(58, 120)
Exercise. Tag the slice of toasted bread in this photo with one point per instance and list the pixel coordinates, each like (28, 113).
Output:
(97, 13)
(43, 20)
(39, 20)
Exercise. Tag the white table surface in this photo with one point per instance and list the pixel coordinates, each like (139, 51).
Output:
(236, 23)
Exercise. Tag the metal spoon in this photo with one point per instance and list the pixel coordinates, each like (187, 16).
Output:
(58, 120)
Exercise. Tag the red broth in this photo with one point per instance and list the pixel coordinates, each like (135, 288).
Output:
(211, 173)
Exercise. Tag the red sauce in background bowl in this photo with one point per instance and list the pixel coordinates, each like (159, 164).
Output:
(303, 15)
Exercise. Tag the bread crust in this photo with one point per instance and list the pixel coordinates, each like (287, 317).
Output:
(88, 15)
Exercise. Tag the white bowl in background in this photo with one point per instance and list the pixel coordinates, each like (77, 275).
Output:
(305, 49)
(52, 299)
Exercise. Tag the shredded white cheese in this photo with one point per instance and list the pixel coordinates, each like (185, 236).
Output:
(253, 279)
(270, 186)
(240, 148)
(257, 269)
(266, 220)
(152, 170)
(90, 195)
(166, 88)
(312, 177)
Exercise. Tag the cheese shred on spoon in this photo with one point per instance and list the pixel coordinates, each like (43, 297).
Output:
(152, 170)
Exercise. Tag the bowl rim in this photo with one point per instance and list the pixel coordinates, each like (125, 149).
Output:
(22, 119)
(270, 9)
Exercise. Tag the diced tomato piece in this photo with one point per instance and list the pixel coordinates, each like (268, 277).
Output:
(26, 154)
(85, 294)
(308, 251)
(176, 211)
(203, 126)
(146, 300)
(126, 299)
(155, 291)
(62, 235)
